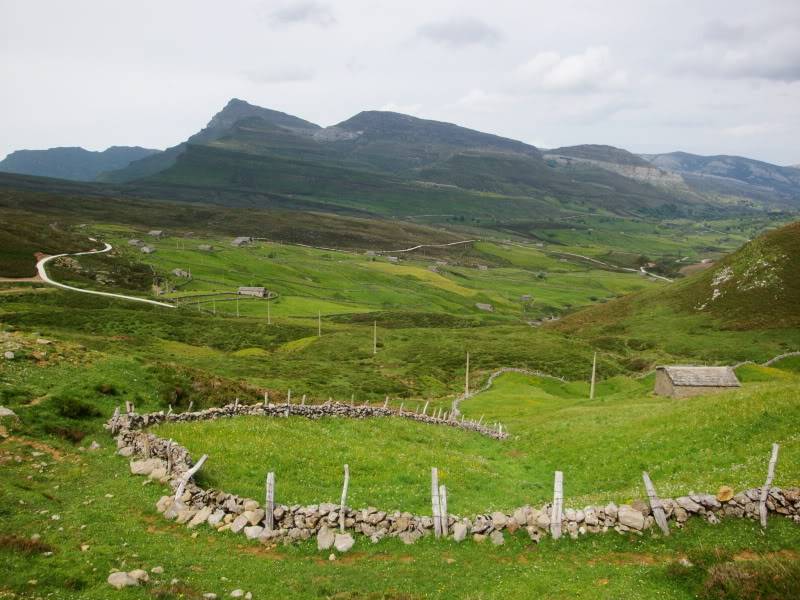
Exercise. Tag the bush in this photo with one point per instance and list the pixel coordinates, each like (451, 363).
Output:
(72, 408)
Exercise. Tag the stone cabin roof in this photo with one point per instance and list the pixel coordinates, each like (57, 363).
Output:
(689, 376)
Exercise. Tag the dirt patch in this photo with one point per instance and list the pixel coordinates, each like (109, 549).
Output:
(24, 545)
(695, 268)
(637, 559)
(785, 554)
(39, 446)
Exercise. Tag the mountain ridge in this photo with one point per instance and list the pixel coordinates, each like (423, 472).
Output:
(72, 162)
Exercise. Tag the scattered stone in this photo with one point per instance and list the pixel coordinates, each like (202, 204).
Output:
(94, 445)
(478, 537)
(8, 355)
(409, 537)
(157, 570)
(332, 556)
(630, 517)
(209, 596)
(139, 575)
(120, 579)
(343, 542)
(497, 538)
(200, 517)
(237, 594)
(499, 520)
(253, 532)
(6, 412)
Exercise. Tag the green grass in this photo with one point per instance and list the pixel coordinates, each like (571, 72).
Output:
(602, 446)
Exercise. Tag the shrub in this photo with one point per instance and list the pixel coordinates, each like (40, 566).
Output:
(72, 408)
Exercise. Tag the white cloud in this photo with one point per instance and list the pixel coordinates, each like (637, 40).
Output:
(285, 74)
(460, 31)
(747, 129)
(589, 71)
(406, 109)
(479, 100)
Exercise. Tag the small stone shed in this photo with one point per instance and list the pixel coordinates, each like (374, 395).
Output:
(685, 381)
(258, 292)
(241, 241)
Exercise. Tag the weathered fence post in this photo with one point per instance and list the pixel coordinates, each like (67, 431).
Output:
(169, 410)
(466, 379)
(401, 407)
(375, 338)
(655, 504)
(435, 506)
(425, 409)
(558, 505)
(594, 372)
(128, 407)
(236, 404)
(386, 402)
(762, 502)
(169, 457)
(266, 398)
(188, 476)
(344, 497)
(319, 324)
(146, 446)
(303, 400)
(191, 404)
(270, 504)
(443, 509)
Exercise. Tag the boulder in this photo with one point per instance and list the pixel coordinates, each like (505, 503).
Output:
(343, 542)
(253, 532)
(6, 412)
(216, 517)
(325, 538)
(460, 531)
(200, 517)
(497, 538)
(499, 520)
(120, 579)
(139, 575)
(688, 504)
(254, 517)
(630, 517)
(409, 537)
(239, 523)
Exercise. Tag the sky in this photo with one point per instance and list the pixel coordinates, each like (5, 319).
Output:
(702, 76)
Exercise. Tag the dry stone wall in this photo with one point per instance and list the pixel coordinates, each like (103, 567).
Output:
(169, 463)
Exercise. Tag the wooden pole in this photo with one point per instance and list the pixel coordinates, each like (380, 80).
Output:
(191, 404)
(762, 502)
(319, 324)
(188, 476)
(655, 504)
(237, 306)
(594, 373)
(169, 457)
(425, 408)
(375, 337)
(443, 509)
(266, 398)
(386, 402)
(466, 379)
(558, 506)
(435, 506)
(344, 497)
(269, 316)
(214, 306)
(270, 504)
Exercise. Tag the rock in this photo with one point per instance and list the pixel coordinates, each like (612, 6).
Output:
(209, 596)
(6, 412)
(200, 517)
(239, 523)
(139, 575)
(216, 517)
(590, 516)
(325, 538)
(534, 533)
(253, 532)
(120, 579)
(343, 542)
(237, 594)
(499, 520)
(642, 506)
(184, 515)
(688, 504)
(478, 537)
(497, 538)
(158, 473)
(8, 355)
(251, 505)
(611, 510)
(402, 524)
(94, 445)
(725, 493)
(157, 570)
(164, 503)
(630, 517)
(460, 531)
(146, 466)
(126, 451)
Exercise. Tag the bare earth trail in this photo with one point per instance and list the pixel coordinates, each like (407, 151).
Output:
(42, 272)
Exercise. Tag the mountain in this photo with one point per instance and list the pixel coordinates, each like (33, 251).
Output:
(617, 161)
(732, 173)
(75, 164)
(220, 124)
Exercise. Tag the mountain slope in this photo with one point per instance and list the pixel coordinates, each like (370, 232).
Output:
(784, 181)
(75, 164)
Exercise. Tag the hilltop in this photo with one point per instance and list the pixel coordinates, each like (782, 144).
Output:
(75, 164)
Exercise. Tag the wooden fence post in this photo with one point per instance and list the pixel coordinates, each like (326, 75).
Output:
(375, 338)
(344, 497)
(386, 402)
(425, 409)
(270, 505)
(466, 379)
(435, 506)
(191, 404)
(169, 457)
(266, 398)
(303, 401)
(558, 505)
(655, 504)
(762, 502)
(594, 372)
(443, 509)
(188, 476)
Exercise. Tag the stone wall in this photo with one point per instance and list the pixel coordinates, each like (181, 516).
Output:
(168, 463)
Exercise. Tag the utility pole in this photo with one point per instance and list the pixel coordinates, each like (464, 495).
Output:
(375, 338)
(594, 372)
(466, 379)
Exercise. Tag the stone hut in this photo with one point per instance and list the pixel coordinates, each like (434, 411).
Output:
(147, 249)
(181, 273)
(257, 292)
(156, 233)
(686, 381)
(241, 241)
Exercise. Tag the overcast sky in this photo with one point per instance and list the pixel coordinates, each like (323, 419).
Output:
(704, 76)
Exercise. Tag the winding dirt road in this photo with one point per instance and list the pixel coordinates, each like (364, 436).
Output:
(42, 271)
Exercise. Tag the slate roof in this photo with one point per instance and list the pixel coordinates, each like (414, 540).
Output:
(701, 376)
